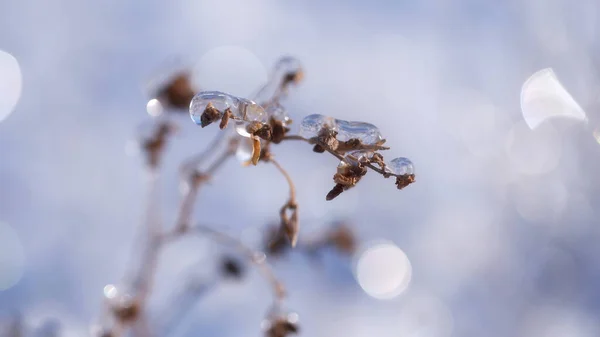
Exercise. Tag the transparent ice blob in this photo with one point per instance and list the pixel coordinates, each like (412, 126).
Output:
(220, 100)
(248, 112)
(312, 124)
(400, 166)
(367, 133)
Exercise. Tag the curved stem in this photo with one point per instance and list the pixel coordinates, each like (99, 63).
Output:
(256, 257)
(288, 178)
(195, 180)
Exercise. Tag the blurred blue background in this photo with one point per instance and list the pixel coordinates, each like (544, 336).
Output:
(500, 228)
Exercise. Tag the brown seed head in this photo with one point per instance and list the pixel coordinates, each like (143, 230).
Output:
(404, 180)
(210, 115)
(178, 93)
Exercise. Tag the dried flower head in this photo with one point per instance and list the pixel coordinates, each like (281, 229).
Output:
(348, 175)
(178, 92)
(282, 325)
(126, 309)
(212, 114)
(232, 268)
(154, 146)
(342, 238)
(275, 242)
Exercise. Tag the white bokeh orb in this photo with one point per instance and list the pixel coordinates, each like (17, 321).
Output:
(383, 270)
(11, 82)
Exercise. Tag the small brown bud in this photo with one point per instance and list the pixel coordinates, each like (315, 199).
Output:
(178, 93)
(318, 149)
(282, 327)
(225, 119)
(342, 239)
(265, 132)
(275, 242)
(232, 268)
(278, 130)
(404, 180)
(127, 312)
(210, 115)
(337, 190)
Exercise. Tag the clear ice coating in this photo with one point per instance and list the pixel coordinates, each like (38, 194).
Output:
(312, 124)
(249, 112)
(544, 97)
(243, 152)
(367, 133)
(220, 100)
(357, 156)
(285, 69)
(400, 166)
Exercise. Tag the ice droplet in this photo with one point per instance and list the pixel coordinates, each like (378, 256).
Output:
(544, 97)
(311, 125)
(220, 100)
(367, 133)
(401, 166)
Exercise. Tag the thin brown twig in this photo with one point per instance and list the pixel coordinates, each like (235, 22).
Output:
(337, 155)
(195, 179)
(288, 178)
(289, 224)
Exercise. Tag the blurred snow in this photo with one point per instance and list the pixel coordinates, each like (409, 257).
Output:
(500, 226)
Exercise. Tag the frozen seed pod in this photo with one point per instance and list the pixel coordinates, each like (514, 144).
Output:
(216, 101)
(400, 166)
(367, 133)
(281, 324)
(311, 125)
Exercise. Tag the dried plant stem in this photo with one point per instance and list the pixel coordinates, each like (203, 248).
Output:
(196, 178)
(150, 230)
(335, 154)
(287, 176)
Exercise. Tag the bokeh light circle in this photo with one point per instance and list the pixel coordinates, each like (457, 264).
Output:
(231, 69)
(11, 82)
(12, 257)
(154, 108)
(383, 270)
(543, 97)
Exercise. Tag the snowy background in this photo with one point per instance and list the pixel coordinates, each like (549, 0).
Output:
(500, 228)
